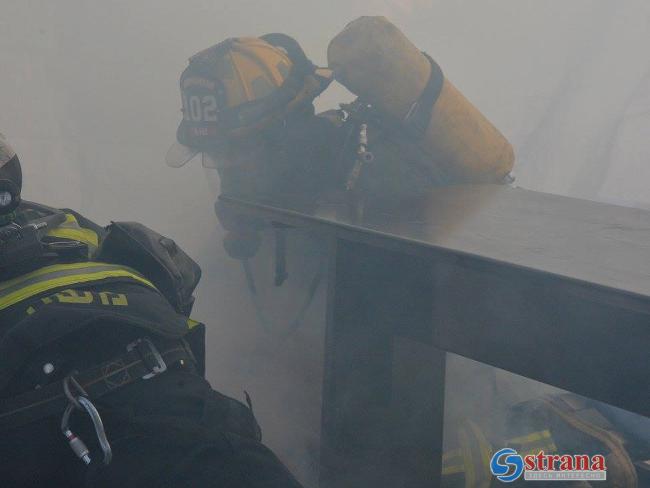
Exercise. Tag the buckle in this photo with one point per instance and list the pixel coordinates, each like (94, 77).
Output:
(145, 348)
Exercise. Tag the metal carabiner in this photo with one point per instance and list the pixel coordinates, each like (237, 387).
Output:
(76, 444)
(99, 429)
(81, 402)
(68, 392)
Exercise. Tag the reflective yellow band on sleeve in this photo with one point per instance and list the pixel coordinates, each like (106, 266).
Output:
(86, 236)
(62, 275)
(192, 323)
(70, 229)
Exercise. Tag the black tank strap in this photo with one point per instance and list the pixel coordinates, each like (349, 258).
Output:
(418, 117)
(302, 65)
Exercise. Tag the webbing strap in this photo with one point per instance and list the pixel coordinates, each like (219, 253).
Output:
(418, 117)
(56, 276)
(132, 366)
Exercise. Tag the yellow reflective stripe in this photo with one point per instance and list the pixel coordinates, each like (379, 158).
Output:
(483, 444)
(530, 438)
(102, 272)
(70, 229)
(533, 443)
(452, 462)
(192, 323)
(86, 236)
(451, 454)
(547, 448)
(486, 453)
(44, 271)
(48, 270)
(70, 221)
(470, 474)
(449, 470)
(458, 461)
(43, 286)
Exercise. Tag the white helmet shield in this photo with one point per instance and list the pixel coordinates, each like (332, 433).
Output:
(179, 155)
(6, 151)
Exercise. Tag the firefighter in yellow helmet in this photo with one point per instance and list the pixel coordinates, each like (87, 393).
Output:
(101, 368)
(247, 108)
(237, 96)
(246, 93)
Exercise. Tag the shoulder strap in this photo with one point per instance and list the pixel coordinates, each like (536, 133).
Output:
(302, 65)
(418, 117)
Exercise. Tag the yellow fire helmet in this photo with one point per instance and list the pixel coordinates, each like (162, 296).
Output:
(240, 86)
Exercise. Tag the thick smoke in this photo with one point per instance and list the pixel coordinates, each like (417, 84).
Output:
(90, 100)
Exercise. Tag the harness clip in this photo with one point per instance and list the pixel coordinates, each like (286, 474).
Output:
(147, 350)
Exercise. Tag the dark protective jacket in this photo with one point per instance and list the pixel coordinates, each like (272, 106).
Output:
(126, 275)
(81, 307)
(311, 156)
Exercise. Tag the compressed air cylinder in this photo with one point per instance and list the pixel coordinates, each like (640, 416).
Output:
(373, 59)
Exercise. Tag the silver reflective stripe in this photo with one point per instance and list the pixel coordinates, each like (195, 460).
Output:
(55, 275)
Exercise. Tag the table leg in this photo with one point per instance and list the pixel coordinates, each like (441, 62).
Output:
(383, 394)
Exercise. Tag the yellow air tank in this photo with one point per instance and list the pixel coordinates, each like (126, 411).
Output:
(373, 59)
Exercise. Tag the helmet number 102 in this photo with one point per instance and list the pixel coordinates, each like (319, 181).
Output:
(200, 108)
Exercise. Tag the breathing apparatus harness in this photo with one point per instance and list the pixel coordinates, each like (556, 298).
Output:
(23, 225)
(362, 114)
(22, 240)
(359, 115)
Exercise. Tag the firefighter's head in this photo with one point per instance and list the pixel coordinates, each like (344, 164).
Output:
(236, 94)
(11, 178)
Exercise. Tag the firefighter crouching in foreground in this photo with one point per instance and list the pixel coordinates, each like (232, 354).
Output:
(101, 368)
(247, 108)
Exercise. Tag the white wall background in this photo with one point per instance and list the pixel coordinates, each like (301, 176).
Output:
(89, 98)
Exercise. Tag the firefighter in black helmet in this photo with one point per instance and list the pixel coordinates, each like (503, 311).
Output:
(101, 368)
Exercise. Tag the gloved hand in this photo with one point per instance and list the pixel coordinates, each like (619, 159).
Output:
(242, 244)
(242, 240)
